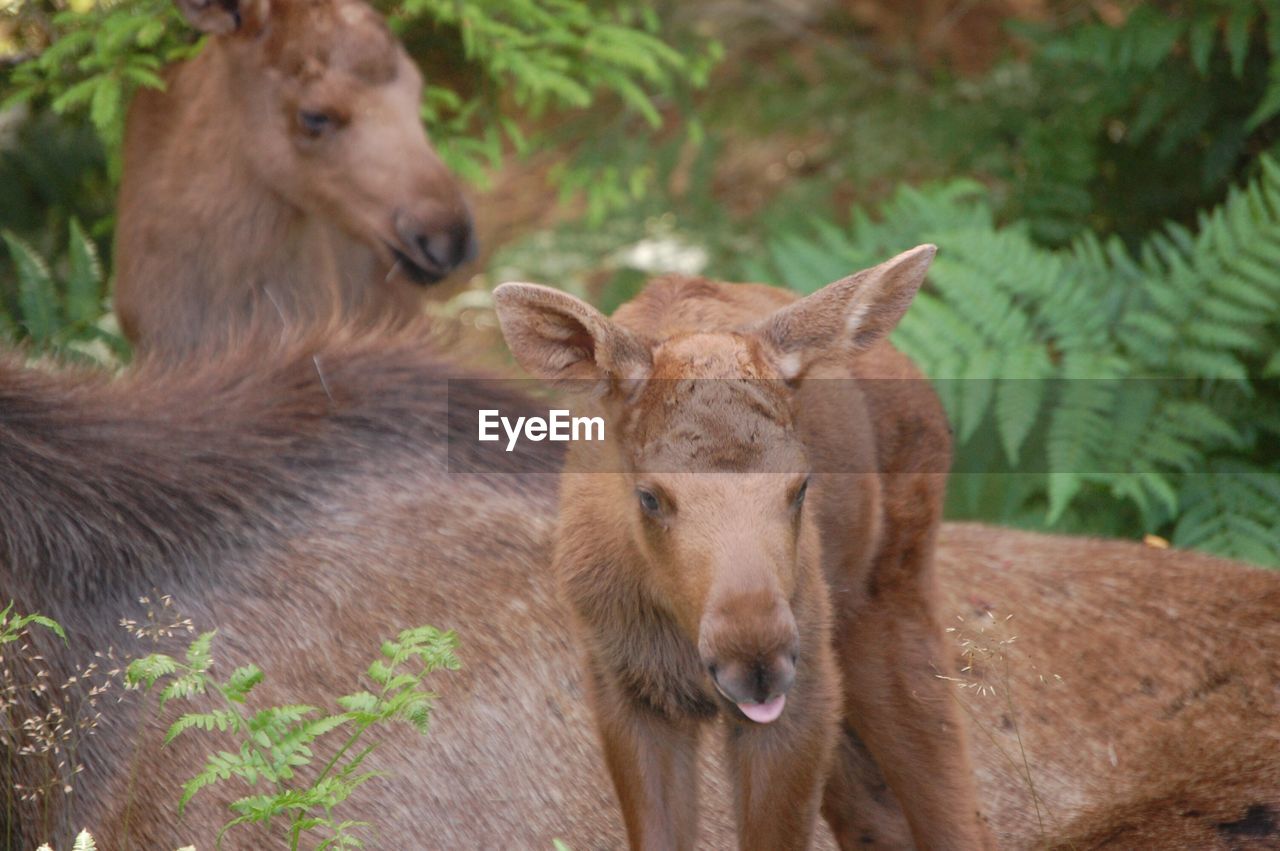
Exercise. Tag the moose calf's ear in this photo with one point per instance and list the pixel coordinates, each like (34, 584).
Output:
(848, 315)
(558, 337)
(221, 17)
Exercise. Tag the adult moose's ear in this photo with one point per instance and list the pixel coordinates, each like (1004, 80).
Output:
(848, 315)
(560, 338)
(221, 17)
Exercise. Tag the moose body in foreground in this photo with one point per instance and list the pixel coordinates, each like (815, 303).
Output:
(283, 172)
(755, 538)
(299, 495)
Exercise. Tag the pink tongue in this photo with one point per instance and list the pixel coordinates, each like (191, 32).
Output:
(763, 713)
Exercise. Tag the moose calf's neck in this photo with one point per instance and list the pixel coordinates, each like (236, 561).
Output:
(282, 177)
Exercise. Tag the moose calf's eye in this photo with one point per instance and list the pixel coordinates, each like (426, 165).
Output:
(315, 124)
(798, 499)
(649, 502)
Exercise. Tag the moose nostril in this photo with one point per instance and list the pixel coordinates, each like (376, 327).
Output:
(436, 249)
(468, 247)
(449, 248)
(785, 676)
(753, 681)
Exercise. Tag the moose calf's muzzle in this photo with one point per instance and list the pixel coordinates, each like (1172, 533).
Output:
(750, 647)
(431, 249)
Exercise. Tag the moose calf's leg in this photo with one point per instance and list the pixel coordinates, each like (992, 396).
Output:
(779, 769)
(653, 762)
(857, 804)
(897, 701)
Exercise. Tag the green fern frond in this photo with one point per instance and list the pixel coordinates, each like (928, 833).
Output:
(184, 686)
(221, 720)
(218, 767)
(147, 670)
(241, 682)
(1138, 366)
(36, 297)
(84, 277)
(199, 653)
(1231, 510)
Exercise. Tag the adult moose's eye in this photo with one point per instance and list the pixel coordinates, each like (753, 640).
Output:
(649, 502)
(315, 124)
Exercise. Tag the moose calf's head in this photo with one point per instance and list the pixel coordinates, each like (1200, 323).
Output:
(328, 107)
(714, 485)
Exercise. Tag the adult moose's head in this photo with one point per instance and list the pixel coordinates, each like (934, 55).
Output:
(714, 477)
(284, 169)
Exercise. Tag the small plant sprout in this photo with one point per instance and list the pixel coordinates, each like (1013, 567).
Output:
(43, 718)
(280, 747)
(986, 643)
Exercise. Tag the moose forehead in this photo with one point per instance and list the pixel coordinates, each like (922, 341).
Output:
(309, 37)
(712, 403)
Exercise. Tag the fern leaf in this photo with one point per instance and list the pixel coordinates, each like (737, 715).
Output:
(1272, 368)
(1236, 37)
(199, 653)
(1231, 511)
(1201, 36)
(184, 686)
(241, 682)
(219, 719)
(218, 767)
(84, 280)
(37, 297)
(147, 670)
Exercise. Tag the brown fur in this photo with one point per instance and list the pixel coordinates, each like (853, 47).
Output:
(230, 209)
(727, 590)
(305, 484)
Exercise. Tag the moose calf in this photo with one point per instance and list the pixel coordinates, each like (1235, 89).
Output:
(282, 174)
(753, 540)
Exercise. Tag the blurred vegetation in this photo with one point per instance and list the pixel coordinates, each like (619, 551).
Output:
(501, 61)
(1102, 317)
(67, 313)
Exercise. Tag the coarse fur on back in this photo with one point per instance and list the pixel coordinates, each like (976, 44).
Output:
(754, 538)
(344, 526)
(168, 469)
(284, 171)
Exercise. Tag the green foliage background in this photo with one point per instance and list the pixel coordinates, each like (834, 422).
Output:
(1102, 319)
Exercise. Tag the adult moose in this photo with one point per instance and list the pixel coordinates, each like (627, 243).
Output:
(308, 482)
(284, 170)
(757, 526)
